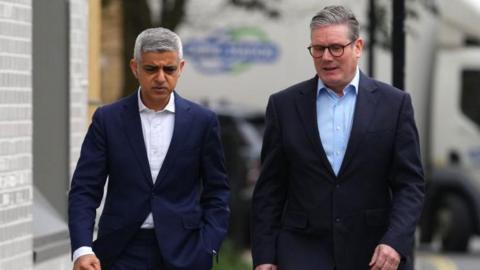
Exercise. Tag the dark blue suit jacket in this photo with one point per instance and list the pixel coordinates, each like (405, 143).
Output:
(376, 198)
(189, 200)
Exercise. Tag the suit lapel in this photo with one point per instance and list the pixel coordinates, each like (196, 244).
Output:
(364, 111)
(133, 129)
(181, 130)
(307, 108)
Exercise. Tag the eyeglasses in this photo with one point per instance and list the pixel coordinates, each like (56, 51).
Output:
(335, 50)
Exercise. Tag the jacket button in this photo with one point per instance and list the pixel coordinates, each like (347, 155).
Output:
(338, 219)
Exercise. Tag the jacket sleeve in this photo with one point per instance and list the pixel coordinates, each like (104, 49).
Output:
(270, 192)
(87, 184)
(216, 192)
(406, 182)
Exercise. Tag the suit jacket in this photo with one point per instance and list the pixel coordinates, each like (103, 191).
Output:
(377, 196)
(189, 200)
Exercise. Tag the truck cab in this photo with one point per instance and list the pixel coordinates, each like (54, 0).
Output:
(452, 208)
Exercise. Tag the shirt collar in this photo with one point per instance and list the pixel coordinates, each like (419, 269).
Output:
(353, 83)
(169, 108)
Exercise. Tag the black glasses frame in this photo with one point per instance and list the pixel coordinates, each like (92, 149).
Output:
(331, 49)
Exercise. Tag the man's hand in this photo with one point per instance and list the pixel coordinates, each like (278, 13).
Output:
(87, 262)
(384, 258)
(266, 267)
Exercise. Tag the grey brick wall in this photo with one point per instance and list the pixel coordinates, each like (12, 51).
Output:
(16, 233)
(78, 77)
(15, 134)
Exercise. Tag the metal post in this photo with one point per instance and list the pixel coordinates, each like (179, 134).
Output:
(398, 44)
(371, 40)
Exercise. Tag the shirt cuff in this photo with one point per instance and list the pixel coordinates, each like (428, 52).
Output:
(81, 251)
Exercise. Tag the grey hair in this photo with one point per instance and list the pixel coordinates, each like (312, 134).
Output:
(157, 40)
(333, 15)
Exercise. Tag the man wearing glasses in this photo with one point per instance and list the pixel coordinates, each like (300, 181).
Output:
(342, 182)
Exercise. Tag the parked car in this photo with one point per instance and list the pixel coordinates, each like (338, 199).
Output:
(241, 133)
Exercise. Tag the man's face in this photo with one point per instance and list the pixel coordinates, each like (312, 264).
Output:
(336, 72)
(157, 74)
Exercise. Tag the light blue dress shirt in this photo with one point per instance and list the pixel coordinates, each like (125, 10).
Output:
(334, 119)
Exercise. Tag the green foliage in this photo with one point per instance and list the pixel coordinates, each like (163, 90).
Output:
(105, 3)
(230, 259)
(266, 7)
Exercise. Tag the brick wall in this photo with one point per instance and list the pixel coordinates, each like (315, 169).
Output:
(15, 134)
(78, 77)
(16, 231)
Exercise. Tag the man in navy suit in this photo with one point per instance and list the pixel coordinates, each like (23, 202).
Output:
(342, 184)
(166, 205)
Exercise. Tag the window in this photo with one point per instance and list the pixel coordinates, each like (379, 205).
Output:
(470, 99)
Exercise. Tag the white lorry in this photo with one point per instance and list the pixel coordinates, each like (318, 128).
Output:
(242, 57)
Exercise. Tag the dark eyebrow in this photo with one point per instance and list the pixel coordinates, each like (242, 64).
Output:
(170, 66)
(166, 68)
(150, 67)
(324, 46)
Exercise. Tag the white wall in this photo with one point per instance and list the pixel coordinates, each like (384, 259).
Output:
(78, 77)
(15, 135)
(16, 233)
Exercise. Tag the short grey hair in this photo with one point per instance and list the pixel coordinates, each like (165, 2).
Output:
(333, 15)
(157, 40)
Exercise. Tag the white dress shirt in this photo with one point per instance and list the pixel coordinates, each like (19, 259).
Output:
(157, 129)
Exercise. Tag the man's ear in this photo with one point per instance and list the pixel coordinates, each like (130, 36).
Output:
(359, 47)
(133, 67)
(182, 64)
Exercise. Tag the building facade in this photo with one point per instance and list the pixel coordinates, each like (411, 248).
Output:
(16, 234)
(43, 118)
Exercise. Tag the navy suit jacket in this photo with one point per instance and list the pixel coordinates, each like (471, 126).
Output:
(377, 196)
(189, 200)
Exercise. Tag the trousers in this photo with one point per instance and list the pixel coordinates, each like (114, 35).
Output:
(142, 253)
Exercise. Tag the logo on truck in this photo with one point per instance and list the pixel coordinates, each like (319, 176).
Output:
(230, 50)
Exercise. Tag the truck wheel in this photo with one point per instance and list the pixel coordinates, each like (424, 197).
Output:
(454, 224)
